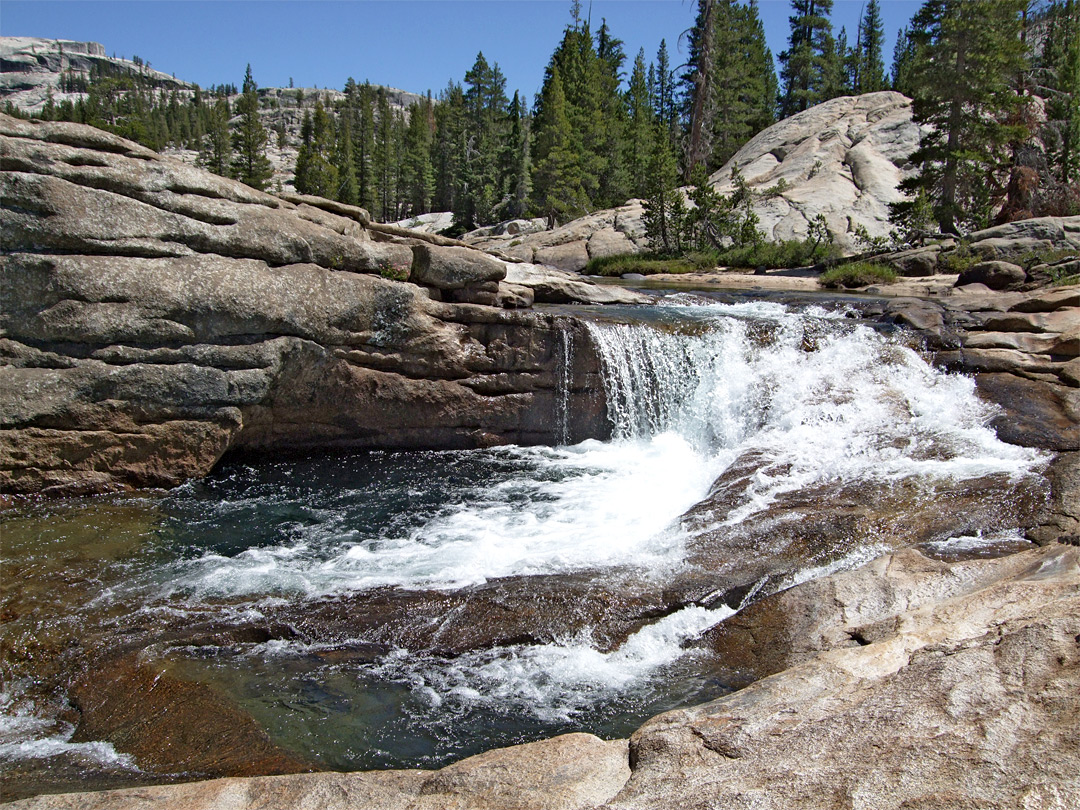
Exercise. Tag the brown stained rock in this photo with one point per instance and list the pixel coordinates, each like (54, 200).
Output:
(570, 772)
(911, 684)
(1049, 300)
(1035, 413)
(820, 525)
(917, 262)
(1015, 240)
(1059, 321)
(1064, 513)
(513, 610)
(170, 725)
(156, 316)
(850, 609)
(609, 242)
(553, 286)
(1026, 342)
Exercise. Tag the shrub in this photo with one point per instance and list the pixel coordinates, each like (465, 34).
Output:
(646, 264)
(790, 253)
(857, 274)
(958, 260)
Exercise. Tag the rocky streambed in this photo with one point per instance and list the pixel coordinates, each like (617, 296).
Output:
(619, 511)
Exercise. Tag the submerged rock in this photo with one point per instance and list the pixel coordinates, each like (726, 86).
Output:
(906, 682)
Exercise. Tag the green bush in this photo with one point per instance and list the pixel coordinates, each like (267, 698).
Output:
(857, 274)
(790, 253)
(958, 260)
(647, 264)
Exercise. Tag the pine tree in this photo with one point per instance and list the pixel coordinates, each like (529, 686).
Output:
(613, 182)
(870, 76)
(807, 63)
(364, 145)
(250, 164)
(348, 191)
(516, 164)
(316, 172)
(699, 83)
(558, 192)
(448, 150)
(481, 187)
(745, 86)
(664, 97)
(216, 152)
(968, 55)
(417, 176)
(1059, 83)
(641, 129)
(664, 208)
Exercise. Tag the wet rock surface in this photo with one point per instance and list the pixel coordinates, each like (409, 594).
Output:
(930, 689)
(962, 679)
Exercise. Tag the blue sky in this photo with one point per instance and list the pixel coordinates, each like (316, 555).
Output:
(415, 45)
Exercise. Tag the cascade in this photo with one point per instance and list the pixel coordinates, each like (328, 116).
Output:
(691, 388)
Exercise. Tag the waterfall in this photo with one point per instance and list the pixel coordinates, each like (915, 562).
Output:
(564, 380)
(821, 396)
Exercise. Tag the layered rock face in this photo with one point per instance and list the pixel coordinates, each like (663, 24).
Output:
(156, 316)
(30, 69)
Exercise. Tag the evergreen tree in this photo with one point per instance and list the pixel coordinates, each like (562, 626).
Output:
(417, 175)
(870, 75)
(1058, 76)
(808, 63)
(516, 161)
(664, 208)
(364, 145)
(384, 159)
(585, 87)
(216, 152)
(903, 60)
(449, 148)
(316, 172)
(347, 192)
(558, 191)
(481, 189)
(641, 128)
(613, 183)
(699, 81)
(745, 86)
(664, 97)
(968, 55)
(250, 164)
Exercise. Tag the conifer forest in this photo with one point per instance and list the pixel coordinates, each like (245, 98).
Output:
(998, 85)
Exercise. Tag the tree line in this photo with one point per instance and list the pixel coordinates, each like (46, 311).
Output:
(999, 83)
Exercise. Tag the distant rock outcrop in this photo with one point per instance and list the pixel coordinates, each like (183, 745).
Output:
(155, 316)
(842, 160)
(30, 70)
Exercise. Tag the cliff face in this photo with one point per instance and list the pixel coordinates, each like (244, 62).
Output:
(155, 316)
(31, 69)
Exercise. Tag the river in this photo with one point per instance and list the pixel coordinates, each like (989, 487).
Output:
(819, 401)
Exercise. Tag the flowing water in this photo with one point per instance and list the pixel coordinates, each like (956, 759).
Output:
(692, 386)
